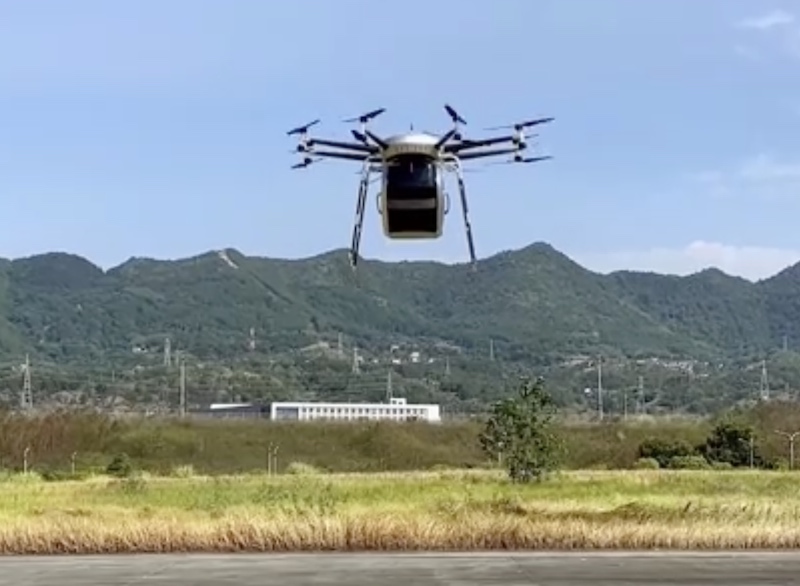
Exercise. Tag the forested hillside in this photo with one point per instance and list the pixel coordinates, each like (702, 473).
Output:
(536, 306)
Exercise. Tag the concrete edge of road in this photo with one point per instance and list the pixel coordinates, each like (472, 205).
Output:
(725, 553)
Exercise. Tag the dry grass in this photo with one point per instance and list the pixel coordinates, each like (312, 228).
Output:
(431, 511)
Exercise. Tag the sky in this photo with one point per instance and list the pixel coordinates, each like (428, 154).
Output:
(157, 128)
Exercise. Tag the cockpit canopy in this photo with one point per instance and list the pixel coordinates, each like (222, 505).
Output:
(412, 172)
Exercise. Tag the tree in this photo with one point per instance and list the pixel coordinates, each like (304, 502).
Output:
(519, 432)
(733, 442)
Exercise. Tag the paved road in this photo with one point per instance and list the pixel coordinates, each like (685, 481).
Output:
(539, 569)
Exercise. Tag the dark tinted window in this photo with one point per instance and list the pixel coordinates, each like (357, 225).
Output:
(411, 172)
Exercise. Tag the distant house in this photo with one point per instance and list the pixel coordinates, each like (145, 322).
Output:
(233, 411)
(396, 410)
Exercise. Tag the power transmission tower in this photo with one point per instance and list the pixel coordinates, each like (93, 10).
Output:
(26, 397)
(356, 367)
(763, 388)
(389, 393)
(785, 343)
(167, 353)
(447, 366)
(340, 346)
(182, 398)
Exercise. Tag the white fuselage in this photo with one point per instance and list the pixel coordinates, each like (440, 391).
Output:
(412, 200)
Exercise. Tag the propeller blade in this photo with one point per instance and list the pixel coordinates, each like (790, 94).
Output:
(454, 116)
(360, 136)
(518, 160)
(521, 125)
(302, 129)
(364, 118)
(306, 162)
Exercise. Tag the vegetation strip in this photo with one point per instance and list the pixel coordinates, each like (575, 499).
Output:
(465, 510)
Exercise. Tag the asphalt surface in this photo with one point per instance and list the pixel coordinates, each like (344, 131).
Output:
(468, 569)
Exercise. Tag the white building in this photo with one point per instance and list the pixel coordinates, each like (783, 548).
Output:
(396, 410)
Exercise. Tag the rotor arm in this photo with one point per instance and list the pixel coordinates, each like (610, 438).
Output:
(342, 156)
(351, 146)
(473, 144)
(491, 153)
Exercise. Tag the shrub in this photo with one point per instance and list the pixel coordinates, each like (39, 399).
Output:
(663, 451)
(183, 471)
(721, 465)
(120, 466)
(301, 469)
(689, 463)
(646, 464)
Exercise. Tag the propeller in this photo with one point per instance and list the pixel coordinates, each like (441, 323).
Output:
(533, 159)
(302, 129)
(457, 119)
(306, 162)
(520, 125)
(364, 118)
(519, 159)
(360, 136)
(454, 116)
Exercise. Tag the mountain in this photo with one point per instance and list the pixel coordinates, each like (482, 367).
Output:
(536, 304)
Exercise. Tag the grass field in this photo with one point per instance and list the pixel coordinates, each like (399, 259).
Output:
(434, 510)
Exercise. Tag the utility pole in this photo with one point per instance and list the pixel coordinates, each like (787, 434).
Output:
(389, 393)
(791, 437)
(491, 350)
(167, 352)
(447, 366)
(356, 367)
(640, 396)
(340, 346)
(182, 399)
(764, 384)
(785, 343)
(252, 341)
(600, 388)
(26, 396)
(625, 404)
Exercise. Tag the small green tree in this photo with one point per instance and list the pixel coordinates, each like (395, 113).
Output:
(519, 432)
(733, 441)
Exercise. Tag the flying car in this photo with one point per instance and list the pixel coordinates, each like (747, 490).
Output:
(412, 200)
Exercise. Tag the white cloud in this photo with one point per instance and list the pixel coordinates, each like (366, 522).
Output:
(762, 175)
(780, 26)
(776, 18)
(750, 262)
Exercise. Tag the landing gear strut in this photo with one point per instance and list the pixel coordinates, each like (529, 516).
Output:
(462, 188)
(363, 187)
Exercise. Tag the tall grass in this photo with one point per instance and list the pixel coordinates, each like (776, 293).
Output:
(392, 511)
(227, 447)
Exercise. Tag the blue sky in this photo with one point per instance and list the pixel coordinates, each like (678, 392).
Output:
(158, 128)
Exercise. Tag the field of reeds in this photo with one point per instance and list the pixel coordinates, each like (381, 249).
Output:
(446, 510)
